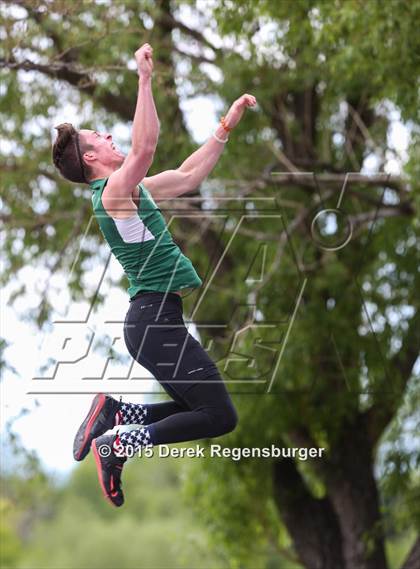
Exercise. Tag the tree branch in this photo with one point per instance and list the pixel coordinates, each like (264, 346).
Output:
(195, 57)
(195, 34)
(381, 413)
(123, 106)
(391, 211)
(392, 182)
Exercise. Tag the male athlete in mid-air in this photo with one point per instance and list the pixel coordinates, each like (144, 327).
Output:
(123, 201)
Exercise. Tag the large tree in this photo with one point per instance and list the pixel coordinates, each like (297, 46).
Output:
(317, 335)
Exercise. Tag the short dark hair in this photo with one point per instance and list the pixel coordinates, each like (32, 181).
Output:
(67, 154)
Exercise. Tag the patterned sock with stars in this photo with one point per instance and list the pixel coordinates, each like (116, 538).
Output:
(137, 438)
(131, 414)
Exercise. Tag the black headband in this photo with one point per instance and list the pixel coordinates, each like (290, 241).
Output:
(80, 158)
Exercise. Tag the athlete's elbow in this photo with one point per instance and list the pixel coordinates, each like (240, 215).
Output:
(190, 181)
(145, 149)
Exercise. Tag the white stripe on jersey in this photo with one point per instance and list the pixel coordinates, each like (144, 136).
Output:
(133, 230)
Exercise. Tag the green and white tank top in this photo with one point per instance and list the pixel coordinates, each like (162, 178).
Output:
(144, 246)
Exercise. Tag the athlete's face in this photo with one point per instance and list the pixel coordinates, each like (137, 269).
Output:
(104, 151)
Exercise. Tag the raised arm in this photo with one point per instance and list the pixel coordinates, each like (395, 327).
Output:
(145, 131)
(144, 137)
(197, 167)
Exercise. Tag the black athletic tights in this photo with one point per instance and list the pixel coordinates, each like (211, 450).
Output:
(156, 337)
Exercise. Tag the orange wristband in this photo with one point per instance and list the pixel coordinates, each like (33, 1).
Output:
(224, 125)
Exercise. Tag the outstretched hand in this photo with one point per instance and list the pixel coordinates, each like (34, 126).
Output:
(237, 109)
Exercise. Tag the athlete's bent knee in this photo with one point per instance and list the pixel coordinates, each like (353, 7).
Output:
(226, 421)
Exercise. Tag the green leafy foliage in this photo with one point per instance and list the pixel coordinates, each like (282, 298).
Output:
(330, 78)
(51, 523)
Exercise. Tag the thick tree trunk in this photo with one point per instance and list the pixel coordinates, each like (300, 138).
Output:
(353, 493)
(343, 530)
(311, 522)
